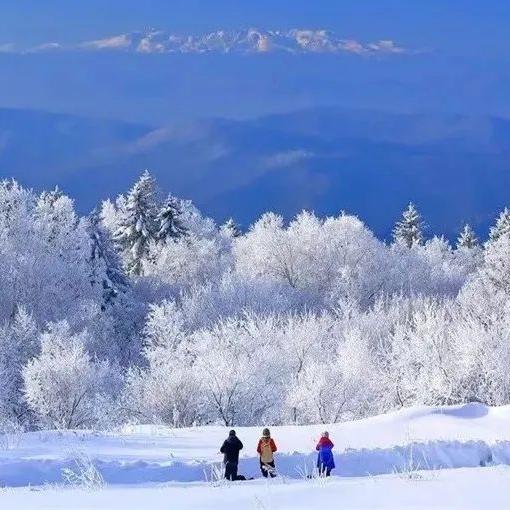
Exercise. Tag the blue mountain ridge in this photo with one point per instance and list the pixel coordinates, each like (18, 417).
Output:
(454, 167)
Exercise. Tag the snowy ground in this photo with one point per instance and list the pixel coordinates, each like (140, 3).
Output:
(378, 461)
(461, 489)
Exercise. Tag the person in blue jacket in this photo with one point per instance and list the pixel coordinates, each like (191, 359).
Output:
(325, 458)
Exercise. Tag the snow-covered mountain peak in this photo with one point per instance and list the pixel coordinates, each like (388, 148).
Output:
(244, 41)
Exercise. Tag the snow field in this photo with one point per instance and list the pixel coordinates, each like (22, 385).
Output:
(461, 489)
(420, 438)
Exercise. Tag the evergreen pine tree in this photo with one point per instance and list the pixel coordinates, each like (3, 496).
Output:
(137, 223)
(106, 266)
(231, 228)
(408, 231)
(170, 225)
(467, 238)
(502, 226)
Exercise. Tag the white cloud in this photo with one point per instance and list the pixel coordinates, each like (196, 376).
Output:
(386, 46)
(286, 158)
(352, 46)
(50, 46)
(118, 42)
(180, 134)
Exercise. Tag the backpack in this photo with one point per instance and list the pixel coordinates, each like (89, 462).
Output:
(266, 453)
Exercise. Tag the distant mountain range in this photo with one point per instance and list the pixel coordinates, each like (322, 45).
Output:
(247, 41)
(455, 168)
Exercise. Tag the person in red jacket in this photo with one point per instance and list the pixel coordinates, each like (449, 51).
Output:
(325, 458)
(266, 449)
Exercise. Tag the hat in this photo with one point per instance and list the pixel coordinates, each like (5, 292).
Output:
(325, 434)
(266, 433)
(232, 433)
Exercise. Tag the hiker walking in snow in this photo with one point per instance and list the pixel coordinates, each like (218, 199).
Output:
(230, 449)
(325, 459)
(266, 449)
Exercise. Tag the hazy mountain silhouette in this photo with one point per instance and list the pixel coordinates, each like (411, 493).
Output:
(455, 168)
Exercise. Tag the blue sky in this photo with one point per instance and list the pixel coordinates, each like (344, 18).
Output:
(456, 27)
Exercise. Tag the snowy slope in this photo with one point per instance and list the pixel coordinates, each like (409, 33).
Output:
(429, 438)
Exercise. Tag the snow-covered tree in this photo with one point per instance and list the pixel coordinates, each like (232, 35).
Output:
(109, 215)
(137, 223)
(169, 394)
(169, 223)
(487, 292)
(194, 222)
(314, 320)
(168, 390)
(187, 262)
(305, 340)
(55, 216)
(467, 238)
(469, 253)
(105, 264)
(502, 226)
(233, 296)
(231, 228)
(18, 344)
(323, 259)
(444, 275)
(44, 255)
(64, 387)
(236, 363)
(266, 251)
(409, 230)
(482, 358)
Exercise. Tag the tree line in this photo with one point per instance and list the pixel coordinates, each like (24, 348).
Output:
(147, 311)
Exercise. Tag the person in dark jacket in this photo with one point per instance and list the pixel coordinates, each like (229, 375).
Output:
(325, 459)
(230, 449)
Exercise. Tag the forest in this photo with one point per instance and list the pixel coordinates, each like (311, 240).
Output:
(146, 311)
